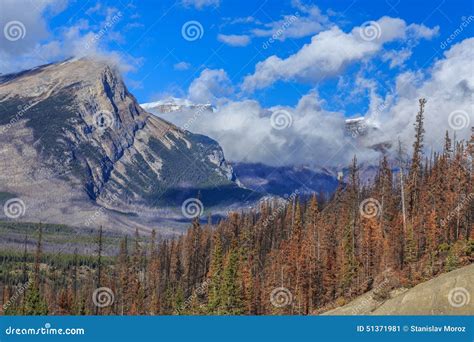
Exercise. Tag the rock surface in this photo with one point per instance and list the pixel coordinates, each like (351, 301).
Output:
(448, 294)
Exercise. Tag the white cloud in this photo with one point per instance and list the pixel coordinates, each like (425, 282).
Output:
(331, 51)
(448, 87)
(40, 46)
(317, 137)
(23, 25)
(245, 132)
(397, 57)
(295, 25)
(210, 84)
(200, 4)
(234, 40)
(182, 66)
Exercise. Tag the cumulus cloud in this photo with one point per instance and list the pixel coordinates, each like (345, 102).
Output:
(305, 21)
(234, 39)
(331, 51)
(247, 132)
(316, 136)
(39, 46)
(210, 85)
(448, 87)
(24, 28)
(23, 23)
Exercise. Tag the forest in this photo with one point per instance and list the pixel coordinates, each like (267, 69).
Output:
(298, 256)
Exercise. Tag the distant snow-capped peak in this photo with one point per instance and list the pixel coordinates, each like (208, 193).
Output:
(360, 126)
(173, 104)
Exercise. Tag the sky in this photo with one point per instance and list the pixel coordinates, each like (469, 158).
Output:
(315, 63)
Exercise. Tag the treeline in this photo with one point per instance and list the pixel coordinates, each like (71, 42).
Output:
(288, 257)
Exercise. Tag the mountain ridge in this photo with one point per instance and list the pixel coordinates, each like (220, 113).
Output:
(77, 122)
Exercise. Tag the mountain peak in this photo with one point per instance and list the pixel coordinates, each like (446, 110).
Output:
(76, 121)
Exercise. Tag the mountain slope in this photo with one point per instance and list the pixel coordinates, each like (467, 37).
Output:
(284, 180)
(448, 294)
(74, 141)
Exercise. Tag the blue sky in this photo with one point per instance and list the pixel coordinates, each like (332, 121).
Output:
(149, 34)
(251, 56)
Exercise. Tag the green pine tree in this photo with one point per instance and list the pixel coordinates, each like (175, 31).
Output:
(232, 285)
(215, 276)
(35, 305)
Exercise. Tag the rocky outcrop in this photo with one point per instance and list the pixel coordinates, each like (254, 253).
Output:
(448, 294)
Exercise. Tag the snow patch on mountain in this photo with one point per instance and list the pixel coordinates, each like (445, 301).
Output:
(173, 104)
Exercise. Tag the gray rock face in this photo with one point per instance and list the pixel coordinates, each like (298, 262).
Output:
(448, 294)
(74, 143)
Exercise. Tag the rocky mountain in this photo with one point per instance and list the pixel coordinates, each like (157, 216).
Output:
(76, 148)
(285, 180)
(447, 294)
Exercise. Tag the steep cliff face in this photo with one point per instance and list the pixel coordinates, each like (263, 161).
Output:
(74, 141)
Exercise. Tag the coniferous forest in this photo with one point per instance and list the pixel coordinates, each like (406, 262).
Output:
(297, 256)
